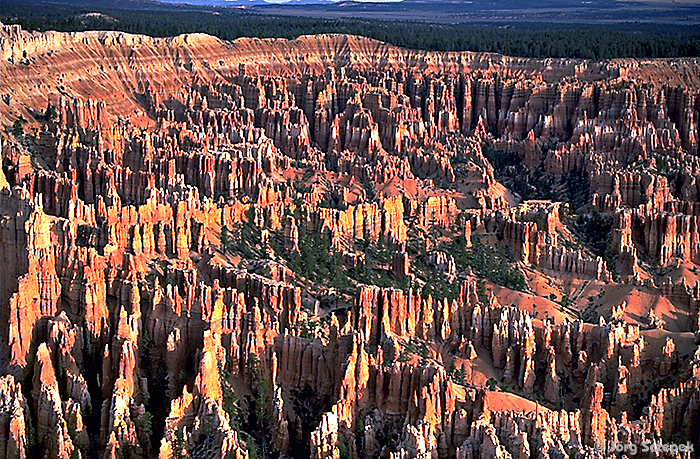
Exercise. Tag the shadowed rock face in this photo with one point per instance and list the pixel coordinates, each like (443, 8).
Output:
(272, 248)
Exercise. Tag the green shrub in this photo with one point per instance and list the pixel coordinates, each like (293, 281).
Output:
(496, 264)
(145, 423)
(492, 384)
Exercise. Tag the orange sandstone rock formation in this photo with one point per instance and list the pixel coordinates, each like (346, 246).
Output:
(332, 247)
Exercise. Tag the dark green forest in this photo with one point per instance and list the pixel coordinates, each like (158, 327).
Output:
(525, 39)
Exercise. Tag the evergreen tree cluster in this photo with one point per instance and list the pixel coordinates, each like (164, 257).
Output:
(526, 40)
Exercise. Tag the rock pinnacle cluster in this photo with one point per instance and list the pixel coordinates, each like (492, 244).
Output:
(330, 247)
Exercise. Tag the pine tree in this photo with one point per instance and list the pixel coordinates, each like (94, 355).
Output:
(224, 238)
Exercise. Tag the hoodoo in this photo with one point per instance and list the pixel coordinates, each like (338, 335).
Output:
(333, 247)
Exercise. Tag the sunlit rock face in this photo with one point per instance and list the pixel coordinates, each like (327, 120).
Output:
(330, 247)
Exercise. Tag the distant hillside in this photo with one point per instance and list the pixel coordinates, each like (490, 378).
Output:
(524, 39)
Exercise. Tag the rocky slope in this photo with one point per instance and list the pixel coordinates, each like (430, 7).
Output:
(331, 247)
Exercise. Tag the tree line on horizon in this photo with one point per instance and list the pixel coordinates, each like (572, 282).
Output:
(525, 40)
